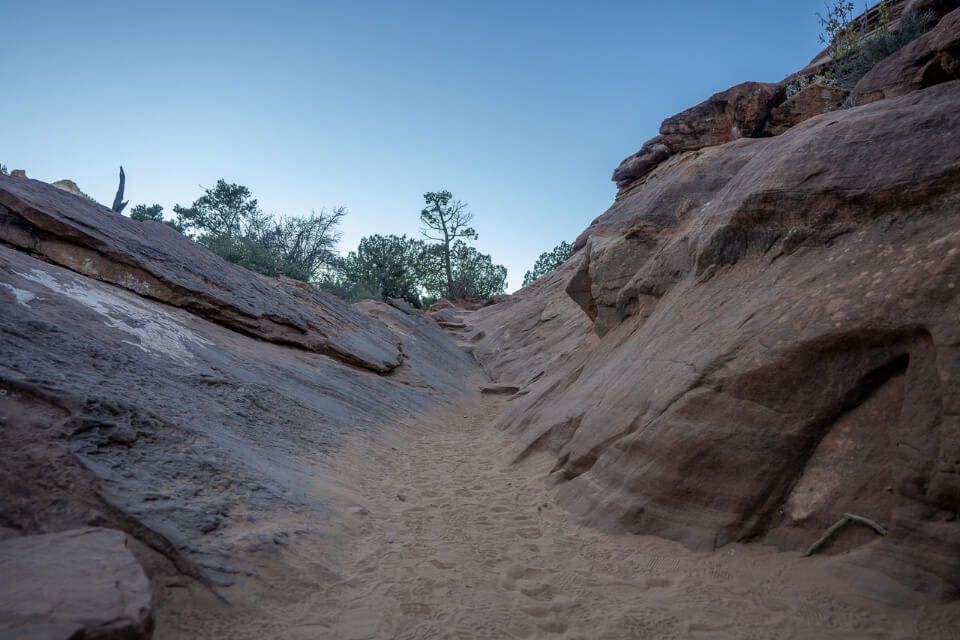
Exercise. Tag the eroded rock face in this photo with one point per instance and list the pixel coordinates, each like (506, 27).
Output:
(738, 112)
(809, 102)
(81, 583)
(768, 338)
(152, 260)
(70, 187)
(931, 59)
(149, 387)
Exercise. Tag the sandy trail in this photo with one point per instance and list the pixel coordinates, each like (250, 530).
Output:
(435, 533)
(446, 539)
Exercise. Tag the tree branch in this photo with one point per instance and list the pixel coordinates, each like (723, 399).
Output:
(839, 524)
(118, 202)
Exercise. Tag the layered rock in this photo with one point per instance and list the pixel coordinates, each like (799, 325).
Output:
(754, 109)
(931, 59)
(82, 583)
(810, 101)
(149, 387)
(154, 261)
(774, 343)
(738, 112)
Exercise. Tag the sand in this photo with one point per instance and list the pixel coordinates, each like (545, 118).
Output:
(438, 535)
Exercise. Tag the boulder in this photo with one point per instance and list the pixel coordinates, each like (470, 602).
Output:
(652, 153)
(810, 101)
(70, 187)
(931, 59)
(738, 112)
(81, 583)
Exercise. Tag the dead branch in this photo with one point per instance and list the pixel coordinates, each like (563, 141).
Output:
(839, 524)
(118, 202)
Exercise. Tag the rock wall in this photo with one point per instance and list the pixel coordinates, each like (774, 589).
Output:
(762, 332)
(148, 386)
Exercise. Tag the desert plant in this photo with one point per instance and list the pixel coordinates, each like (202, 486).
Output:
(227, 219)
(143, 212)
(118, 202)
(856, 44)
(884, 43)
(801, 83)
(388, 266)
(445, 220)
(548, 261)
(472, 274)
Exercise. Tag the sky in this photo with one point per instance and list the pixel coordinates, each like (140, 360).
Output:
(520, 109)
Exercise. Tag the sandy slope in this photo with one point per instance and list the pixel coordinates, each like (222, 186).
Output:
(445, 539)
(435, 533)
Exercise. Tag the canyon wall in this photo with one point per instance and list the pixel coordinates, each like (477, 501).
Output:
(763, 332)
(151, 388)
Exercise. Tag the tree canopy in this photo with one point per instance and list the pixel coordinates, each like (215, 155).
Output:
(445, 220)
(548, 261)
(390, 266)
(144, 212)
(227, 219)
(472, 274)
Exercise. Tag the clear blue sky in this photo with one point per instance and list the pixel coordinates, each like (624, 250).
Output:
(521, 109)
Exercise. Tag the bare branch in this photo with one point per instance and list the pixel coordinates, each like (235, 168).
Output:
(118, 202)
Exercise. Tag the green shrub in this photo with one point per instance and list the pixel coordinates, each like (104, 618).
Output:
(884, 44)
(548, 261)
(856, 46)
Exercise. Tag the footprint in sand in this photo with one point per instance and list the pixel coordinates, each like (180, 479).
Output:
(540, 592)
(415, 609)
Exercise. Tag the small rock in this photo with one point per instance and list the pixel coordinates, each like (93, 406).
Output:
(499, 389)
(77, 583)
(401, 497)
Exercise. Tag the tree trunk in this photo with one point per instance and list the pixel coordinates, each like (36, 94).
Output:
(446, 263)
(118, 202)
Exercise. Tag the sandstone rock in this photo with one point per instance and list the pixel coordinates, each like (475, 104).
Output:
(783, 305)
(155, 261)
(499, 389)
(811, 101)
(81, 583)
(938, 7)
(738, 112)
(20, 174)
(204, 443)
(641, 163)
(70, 187)
(931, 59)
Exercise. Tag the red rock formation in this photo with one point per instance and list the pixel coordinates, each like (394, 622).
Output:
(150, 387)
(154, 261)
(811, 101)
(738, 112)
(82, 583)
(931, 59)
(776, 338)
